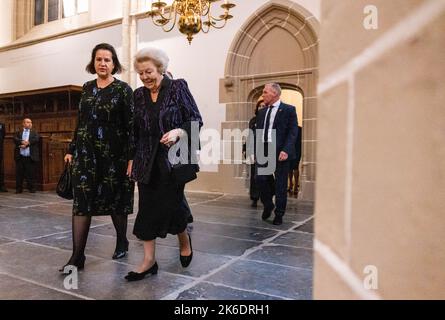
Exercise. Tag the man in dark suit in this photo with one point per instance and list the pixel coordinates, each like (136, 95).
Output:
(2, 169)
(277, 125)
(26, 154)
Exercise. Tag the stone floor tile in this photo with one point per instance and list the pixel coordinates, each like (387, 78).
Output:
(207, 291)
(296, 239)
(284, 255)
(271, 279)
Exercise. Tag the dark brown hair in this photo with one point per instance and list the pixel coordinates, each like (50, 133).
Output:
(104, 46)
(258, 105)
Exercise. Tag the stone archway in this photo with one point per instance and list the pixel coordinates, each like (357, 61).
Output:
(278, 43)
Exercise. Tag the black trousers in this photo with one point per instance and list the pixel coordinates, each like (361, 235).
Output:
(267, 188)
(24, 169)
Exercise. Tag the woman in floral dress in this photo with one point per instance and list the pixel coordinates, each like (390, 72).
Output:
(101, 154)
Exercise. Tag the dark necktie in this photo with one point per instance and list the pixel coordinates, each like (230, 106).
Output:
(266, 125)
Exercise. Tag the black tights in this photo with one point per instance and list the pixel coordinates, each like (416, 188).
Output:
(81, 227)
(120, 224)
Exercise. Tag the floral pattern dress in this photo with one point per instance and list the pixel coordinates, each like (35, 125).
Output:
(102, 145)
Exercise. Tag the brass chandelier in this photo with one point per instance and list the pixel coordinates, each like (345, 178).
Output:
(192, 16)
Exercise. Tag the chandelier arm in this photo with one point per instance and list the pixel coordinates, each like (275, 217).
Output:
(170, 12)
(157, 23)
(203, 28)
(216, 26)
(218, 19)
(209, 21)
(206, 6)
(220, 27)
(172, 26)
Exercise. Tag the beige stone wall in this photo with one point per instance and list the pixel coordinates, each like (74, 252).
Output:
(380, 193)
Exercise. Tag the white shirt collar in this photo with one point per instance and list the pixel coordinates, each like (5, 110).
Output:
(277, 103)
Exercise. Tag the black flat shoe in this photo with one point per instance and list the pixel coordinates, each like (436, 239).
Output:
(185, 260)
(68, 268)
(119, 254)
(136, 276)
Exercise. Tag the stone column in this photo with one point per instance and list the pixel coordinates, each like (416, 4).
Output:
(129, 45)
(22, 18)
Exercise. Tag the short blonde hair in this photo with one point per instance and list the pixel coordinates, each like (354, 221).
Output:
(155, 55)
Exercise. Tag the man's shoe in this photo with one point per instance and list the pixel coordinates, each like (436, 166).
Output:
(32, 191)
(266, 213)
(254, 204)
(278, 220)
(18, 191)
(3, 189)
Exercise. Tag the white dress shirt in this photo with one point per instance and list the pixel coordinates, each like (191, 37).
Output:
(25, 136)
(274, 111)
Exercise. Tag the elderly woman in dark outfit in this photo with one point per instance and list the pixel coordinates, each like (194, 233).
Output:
(101, 154)
(164, 111)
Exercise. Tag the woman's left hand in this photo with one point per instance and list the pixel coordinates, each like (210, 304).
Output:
(129, 167)
(171, 137)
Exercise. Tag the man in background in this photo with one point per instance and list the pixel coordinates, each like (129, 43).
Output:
(26, 155)
(281, 119)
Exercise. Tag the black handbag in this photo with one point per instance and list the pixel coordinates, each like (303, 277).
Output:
(184, 173)
(65, 187)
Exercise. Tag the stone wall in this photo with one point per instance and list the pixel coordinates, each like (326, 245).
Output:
(381, 155)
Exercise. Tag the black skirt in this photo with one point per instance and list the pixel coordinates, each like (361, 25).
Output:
(160, 210)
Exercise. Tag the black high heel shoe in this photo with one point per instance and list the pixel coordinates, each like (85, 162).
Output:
(136, 276)
(68, 268)
(119, 254)
(185, 260)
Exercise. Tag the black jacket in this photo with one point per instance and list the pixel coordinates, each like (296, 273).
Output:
(34, 140)
(287, 129)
